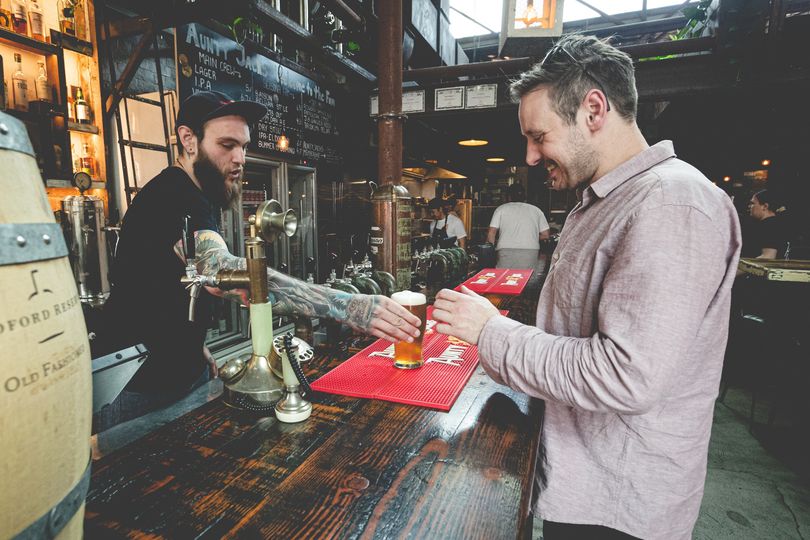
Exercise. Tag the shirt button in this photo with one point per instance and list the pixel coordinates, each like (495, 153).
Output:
(555, 257)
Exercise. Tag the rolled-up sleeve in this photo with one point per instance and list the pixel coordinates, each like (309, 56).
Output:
(654, 297)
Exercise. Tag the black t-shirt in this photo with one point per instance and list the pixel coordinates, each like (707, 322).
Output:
(147, 302)
(772, 232)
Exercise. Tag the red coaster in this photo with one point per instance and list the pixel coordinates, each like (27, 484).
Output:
(449, 363)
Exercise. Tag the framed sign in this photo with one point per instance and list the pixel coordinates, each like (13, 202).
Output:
(374, 105)
(447, 99)
(413, 102)
(482, 96)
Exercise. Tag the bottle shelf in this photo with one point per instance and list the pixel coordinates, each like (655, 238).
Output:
(71, 43)
(83, 128)
(60, 183)
(26, 43)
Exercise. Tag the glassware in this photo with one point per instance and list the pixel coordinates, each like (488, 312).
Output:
(19, 86)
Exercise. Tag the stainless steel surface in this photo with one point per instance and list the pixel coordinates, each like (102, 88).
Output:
(82, 220)
(29, 242)
(112, 372)
(13, 135)
(232, 370)
(257, 389)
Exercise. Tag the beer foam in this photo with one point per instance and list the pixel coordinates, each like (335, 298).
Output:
(409, 298)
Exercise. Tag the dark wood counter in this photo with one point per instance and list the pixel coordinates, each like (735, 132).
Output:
(355, 469)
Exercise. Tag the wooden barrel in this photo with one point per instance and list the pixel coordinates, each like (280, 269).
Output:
(45, 373)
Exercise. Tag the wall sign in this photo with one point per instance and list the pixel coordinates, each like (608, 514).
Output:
(297, 107)
(413, 102)
(447, 99)
(482, 96)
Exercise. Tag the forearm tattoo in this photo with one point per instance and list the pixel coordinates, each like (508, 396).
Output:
(292, 296)
(213, 254)
(289, 296)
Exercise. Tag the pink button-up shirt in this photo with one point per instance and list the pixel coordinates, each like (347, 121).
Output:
(627, 352)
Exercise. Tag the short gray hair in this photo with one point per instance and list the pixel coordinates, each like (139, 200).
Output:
(612, 68)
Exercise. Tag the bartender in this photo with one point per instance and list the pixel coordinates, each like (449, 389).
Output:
(446, 224)
(148, 303)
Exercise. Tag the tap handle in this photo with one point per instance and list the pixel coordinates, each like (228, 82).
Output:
(188, 239)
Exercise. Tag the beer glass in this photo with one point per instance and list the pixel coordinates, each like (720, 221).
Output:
(409, 355)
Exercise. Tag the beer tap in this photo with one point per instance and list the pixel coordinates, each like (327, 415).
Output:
(192, 280)
(255, 383)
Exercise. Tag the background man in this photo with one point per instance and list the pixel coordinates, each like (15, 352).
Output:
(446, 224)
(149, 304)
(633, 318)
(519, 227)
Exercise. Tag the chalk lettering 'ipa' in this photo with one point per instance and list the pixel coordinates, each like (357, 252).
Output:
(409, 355)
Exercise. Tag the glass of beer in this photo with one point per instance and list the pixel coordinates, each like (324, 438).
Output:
(409, 355)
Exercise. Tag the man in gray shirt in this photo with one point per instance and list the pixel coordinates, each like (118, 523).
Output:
(632, 321)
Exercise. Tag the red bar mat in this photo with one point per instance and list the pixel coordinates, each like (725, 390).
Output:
(512, 282)
(449, 364)
(506, 281)
(483, 280)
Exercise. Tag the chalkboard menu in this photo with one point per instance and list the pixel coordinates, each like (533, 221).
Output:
(298, 108)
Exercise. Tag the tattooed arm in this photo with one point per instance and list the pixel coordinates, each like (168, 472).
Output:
(373, 314)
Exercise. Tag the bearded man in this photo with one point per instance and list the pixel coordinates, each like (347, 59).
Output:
(148, 303)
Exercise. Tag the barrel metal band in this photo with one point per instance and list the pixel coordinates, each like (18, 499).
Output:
(54, 520)
(13, 135)
(29, 242)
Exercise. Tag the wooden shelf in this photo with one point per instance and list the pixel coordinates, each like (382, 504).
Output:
(84, 128)
(71, 43)
(26, 43)
(60, 183)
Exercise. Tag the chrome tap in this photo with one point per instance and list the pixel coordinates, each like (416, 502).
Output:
(193, 281)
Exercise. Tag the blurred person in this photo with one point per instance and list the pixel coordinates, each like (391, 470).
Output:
(446, 224)
(519, 227)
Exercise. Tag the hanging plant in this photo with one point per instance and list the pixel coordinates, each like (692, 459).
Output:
(244, 28)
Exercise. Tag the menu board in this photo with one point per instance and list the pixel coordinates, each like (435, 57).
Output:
(298, 108)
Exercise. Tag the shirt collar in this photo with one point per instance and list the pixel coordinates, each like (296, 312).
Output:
(637, 164)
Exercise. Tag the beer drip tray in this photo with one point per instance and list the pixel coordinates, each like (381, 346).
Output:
(113, 371)
(449, 364)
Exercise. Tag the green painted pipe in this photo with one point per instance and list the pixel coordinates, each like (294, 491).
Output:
(366, 285)
(386, 282)
(345, 287)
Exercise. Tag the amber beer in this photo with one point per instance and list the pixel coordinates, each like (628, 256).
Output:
(409, 355)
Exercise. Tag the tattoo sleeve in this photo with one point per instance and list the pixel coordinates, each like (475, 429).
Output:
(289, 296)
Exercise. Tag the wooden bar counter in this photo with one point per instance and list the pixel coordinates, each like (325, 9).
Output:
(356, 468)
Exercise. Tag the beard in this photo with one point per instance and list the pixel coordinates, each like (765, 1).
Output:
(214, 183)
(584, 160)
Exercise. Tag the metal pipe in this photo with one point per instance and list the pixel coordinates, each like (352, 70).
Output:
(344, 12)
(496, 67)
(390, 119)
(516, 65)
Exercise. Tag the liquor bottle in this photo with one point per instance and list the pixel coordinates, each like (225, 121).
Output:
(19, 16)
(88, 162)
(80, 19)
(82, 108)
(37, 22)
(5, 15)
(67, 23)
(19, 86)
(42, 86)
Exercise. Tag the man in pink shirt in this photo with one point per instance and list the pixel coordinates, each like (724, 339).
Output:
(632, 321)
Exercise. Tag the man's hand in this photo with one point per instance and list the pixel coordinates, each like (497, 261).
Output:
(212, 363)
(381, 317)
(462, 314)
